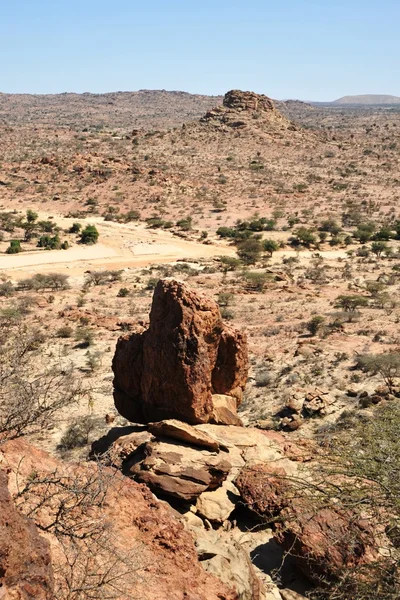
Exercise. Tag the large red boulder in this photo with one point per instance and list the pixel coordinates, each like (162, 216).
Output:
(325, 540)
(187, 354)
(264, 489)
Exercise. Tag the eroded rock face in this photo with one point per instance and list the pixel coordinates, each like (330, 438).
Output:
(228, 561)
(240, 100)
(185, 356)
(25, 566)
(162, 559)
(171, 469)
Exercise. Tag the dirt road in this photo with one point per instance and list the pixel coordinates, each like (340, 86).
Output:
(120, 246)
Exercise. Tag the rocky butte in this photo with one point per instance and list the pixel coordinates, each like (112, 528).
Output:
(240, 109)
(187, 365)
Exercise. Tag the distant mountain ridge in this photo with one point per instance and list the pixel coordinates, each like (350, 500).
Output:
(377, 99)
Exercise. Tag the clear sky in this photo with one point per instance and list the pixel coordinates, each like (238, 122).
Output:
(306, 49)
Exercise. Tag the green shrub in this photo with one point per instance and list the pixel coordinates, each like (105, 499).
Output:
(256, 280)
(249, 251)
(123, 293)
(270, 246)
(89, 235)
(14, 247)
(315, 324)
(75, 228)
(48, 242)
(85, 337)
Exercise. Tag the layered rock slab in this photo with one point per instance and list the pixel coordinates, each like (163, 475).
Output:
(187, 355)
(177, 470)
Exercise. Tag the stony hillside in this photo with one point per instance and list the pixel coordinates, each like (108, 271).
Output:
(147, 109)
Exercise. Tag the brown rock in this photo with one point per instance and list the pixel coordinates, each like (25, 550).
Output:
(118, 444)
(224, 411)
(179, 471)
(187, 353)
(295, 404)
(128, 368)
(230, 373)
(184, 433)
(163, 552)
(314, 405)
(264, 489)
(25, 565)
(323, 540)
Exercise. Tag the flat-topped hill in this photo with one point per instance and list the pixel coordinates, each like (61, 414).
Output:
(368, 99)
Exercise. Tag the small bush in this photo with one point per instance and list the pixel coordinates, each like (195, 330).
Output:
(151, 284)
(75, 228)
(315, 324)
(227, 313)
(123, 293)
(14, 247)
(64, 332)
(89, 235)
(77, 434)
(263, 378)
(84, 337)
(6, 289)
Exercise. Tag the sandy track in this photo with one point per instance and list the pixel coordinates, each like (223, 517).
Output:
(120, 246)
(123, 246)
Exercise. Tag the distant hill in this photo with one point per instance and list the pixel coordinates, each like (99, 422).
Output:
(368, 99)
(145, 109)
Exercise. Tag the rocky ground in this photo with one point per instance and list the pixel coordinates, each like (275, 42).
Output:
(283, 360)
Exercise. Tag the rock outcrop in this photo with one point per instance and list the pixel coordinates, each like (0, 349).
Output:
(187, 355)
(151, 553)
(25, 565)
(196, 464)
(241, 110)
(238, 100)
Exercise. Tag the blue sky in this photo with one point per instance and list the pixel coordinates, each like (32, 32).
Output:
(312, 50)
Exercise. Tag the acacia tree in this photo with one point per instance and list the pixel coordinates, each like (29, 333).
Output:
(386, 365)
(270, 246)
(351, 303)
